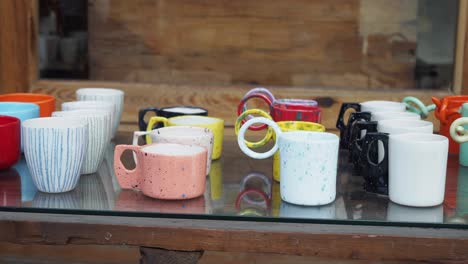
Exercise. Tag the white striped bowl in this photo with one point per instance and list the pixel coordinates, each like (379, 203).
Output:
(99, 127)
(93, 105)
(55, 148)
(104, 94)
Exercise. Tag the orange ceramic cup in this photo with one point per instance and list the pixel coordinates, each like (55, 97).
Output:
(46, 102)
(164, 170)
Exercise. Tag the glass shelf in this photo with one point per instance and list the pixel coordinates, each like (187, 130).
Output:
(238, 188)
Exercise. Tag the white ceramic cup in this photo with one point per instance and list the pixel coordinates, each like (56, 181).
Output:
(184, 135)
(93, 105)
(417, 169)
(104, 94)
(99, 127)
(380, 116)
(308, 163)
(382, 106)
(55, 148)
(401, 213)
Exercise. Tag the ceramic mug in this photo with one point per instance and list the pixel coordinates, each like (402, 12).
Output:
(10, 134)
(93, 105)
(308, 163)
(45, 102)
(164, 170)
(55, 148)
(417, 169)
(99, 128)
(459, 133)
(184, 135)
(22, 111)
(216, 126)
(104, 94)
(168, 112)
(345, 130)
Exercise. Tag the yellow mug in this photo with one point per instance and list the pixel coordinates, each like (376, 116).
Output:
(249, 112)
(292, 126)
(216, 125)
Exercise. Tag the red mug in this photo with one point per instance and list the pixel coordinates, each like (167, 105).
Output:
(10, 136)
(447, 110)
(10, 188)
(283, 109)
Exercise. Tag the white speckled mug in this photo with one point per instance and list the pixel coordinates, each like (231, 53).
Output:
(308, 163)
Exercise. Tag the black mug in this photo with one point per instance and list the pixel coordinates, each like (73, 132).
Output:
(345, 130)
(355, 142)
(340, 124)
(375, 173)
(168, 112)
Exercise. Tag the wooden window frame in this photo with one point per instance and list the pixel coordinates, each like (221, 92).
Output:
(19, 73)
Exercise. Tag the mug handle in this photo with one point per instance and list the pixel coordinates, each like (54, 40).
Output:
(441, 109)
(141, 116)
(345, 134)
(268, 135)
(153, 121)
(241, 138)
(240, 107)
(415, 105)
(457, 131)
(136, 135)
(261, 90)
(355, 142)
(128, 179)
(373, 169)
(345, 106)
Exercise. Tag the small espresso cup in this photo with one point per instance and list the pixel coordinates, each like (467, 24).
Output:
(168, 112)
(10, 134)
(164, 170)
(22, 111)
(184, 135)
(105, 94)
(55, 148)
(216, 126)
(99, 128)
(417, 169)
(308, 163)
(93, 105)
(45, 102)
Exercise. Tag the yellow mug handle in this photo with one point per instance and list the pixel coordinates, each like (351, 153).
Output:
(153, 121)
(268, 135)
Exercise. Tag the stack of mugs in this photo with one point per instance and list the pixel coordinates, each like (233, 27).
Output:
(61, 146)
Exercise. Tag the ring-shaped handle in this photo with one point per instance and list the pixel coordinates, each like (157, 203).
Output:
(240, 107)
(458, 132)
(266, 180)
(268, 135)
(420, 108)
(241, 195)
(241, 138)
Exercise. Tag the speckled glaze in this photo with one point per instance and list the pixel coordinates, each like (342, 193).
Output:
(164, 171)
(308, 163)
(184, 135)
(249, 113)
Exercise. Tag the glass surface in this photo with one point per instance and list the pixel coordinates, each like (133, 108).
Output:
(350, 44)
(238, 188)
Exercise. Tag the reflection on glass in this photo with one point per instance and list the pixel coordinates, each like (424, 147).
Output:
(254, 196)
(462, 191)
(327, 211)
(92, 193)
(28, 189)
(67, 200)
(401, 213)
(10, 188)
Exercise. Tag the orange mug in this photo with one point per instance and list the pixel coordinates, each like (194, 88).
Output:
(46, 102)
(447, 110)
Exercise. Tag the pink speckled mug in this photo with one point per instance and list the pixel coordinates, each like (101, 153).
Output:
(164, 170)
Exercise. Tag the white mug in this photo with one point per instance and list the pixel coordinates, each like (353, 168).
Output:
(417, 169)
(104, 94)
(384, 115)
(93, 105)
(55, 148)
(99, 128)
(382, 106)
(308, 163)
(184, 135)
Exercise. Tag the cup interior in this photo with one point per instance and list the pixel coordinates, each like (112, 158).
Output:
(194, 120)
(14, 107)
(81, 112)
(100, 91)
(184, 109)
(168, 149)
(88, 104)
(182, 131)
(54, 122)
(296, 102)
(420, 138)
(26, 97)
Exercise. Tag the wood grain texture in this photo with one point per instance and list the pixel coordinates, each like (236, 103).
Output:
(222, 101)
(294, 43)
(18, 45)
(188, 238)
(157, 255)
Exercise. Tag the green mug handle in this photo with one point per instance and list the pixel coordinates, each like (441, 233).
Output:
(415, 105)
(457, 131)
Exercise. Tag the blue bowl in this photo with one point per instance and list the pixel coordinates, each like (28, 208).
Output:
(22, 111)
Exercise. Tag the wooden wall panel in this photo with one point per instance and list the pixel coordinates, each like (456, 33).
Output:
(292, 43)
(18, 22)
